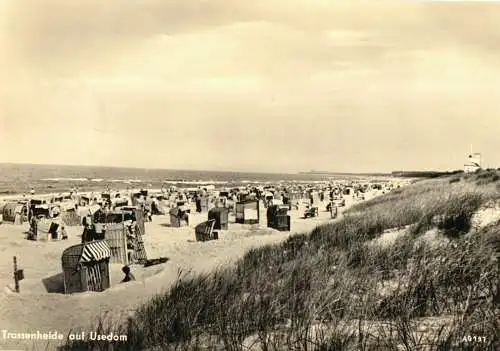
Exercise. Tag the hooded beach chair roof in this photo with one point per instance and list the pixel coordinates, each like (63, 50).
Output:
(67, 205)
(19, 209)
(95, 251)
(174, 211)
(92, 251)
(93, 208)
(119, 201)
(87, 210)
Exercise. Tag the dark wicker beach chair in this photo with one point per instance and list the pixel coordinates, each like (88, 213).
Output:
(205, 231)
(311, 212)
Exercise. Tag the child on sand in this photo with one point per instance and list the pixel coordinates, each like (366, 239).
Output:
(64, 233)
(128, 275)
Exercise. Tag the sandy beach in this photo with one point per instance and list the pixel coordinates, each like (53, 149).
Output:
(41, 306)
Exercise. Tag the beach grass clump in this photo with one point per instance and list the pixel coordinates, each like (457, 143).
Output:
(336, 289)
(451, 213)
(444, 280)
(485, 177)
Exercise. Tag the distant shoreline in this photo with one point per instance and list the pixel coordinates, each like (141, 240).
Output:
(325, 173)
(399, 174)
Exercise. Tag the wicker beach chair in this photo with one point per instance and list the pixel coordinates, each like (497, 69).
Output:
(179, 217)
(205, 231)
(311, 212)
(86, 267)
(139, 254)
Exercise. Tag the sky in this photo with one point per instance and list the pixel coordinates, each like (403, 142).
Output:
(261, 85)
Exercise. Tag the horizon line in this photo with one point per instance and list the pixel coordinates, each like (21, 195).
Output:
(189, 170)
(315, 172)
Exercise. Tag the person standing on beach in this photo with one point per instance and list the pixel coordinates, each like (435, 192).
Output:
(31, 211)
(33, 228)
(64, 233)
(235, 200)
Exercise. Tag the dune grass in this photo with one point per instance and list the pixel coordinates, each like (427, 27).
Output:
(334, 290)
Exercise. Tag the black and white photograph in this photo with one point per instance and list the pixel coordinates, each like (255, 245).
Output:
(259, 175)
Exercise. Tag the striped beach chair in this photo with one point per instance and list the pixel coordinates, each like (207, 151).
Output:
(86, 267)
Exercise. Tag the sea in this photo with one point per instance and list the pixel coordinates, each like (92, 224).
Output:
(20, 178)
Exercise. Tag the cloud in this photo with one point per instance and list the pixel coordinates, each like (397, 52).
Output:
(238, 80)
(49, 34)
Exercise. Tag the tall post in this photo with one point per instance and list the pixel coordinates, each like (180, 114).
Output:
(16, 281)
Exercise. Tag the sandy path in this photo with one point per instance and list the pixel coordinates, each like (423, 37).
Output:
(35, 309)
